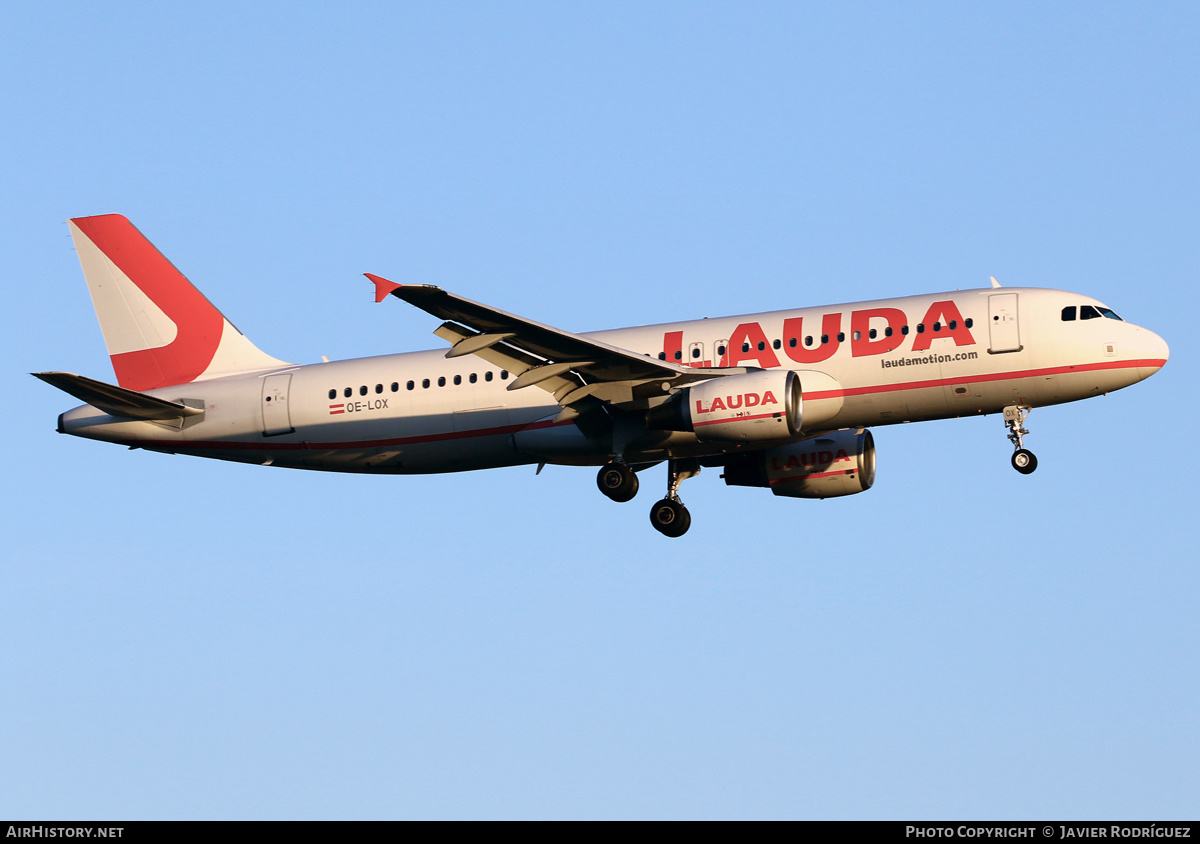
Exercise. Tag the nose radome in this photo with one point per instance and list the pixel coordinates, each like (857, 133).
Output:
(1154, 353)
(1156, 347)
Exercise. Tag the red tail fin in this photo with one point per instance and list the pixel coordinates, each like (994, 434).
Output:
(159, 329)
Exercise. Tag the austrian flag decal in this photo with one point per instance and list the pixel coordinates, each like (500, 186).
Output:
(335, 409)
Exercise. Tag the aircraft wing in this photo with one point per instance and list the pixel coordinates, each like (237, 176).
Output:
(570, 366)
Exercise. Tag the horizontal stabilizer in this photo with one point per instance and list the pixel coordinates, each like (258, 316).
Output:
(116, 401)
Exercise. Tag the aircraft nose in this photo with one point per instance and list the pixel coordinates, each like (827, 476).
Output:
(1154, 353)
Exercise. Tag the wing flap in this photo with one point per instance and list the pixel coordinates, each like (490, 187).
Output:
(506, 357)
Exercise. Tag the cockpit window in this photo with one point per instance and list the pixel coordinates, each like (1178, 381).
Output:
(1089, 312)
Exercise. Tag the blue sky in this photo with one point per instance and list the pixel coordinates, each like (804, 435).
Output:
(182, 638)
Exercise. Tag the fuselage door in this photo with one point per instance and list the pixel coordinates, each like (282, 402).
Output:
(1004, 327)
(276, 417)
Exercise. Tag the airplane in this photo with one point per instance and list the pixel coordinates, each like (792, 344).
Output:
(782, 400)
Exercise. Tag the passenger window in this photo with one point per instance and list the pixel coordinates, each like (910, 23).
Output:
(378, 388)
(792, 342)
(678, 356)
(696, 352)
(441, 380)
(424, 383)
(504, 375)
(841, 336)
(349, 392)
(953, 324)
(872, 333)
(808, 341)
(937, 326)
(968, 322)
(661, 356)
(457, 380)
(395, 386)
(362, 391)
(1088, 312)
(473, 378)
(857, 335)
(761, 345)
(333, 394)
(487, 376)
(920, 328)
(824, 339)
(904, 330)
(410, 385)
(777, 344)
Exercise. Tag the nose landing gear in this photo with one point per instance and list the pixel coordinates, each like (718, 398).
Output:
(1023, 460)
(669, 516)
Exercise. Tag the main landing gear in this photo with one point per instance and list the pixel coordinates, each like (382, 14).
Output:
(617, 481)
(1014, 418)
(668, 515)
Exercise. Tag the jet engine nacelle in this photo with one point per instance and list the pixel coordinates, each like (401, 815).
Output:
(838, 463)
(754, 407)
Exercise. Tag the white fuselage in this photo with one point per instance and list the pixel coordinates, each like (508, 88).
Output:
(897, 360)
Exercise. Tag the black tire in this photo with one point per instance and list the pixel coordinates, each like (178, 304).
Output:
(670, 518)
(1024, 461)
(617, 481)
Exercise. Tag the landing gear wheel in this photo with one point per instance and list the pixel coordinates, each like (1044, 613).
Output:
(670, 518)
(617, 481)
(1014, 419)
(1024, 461)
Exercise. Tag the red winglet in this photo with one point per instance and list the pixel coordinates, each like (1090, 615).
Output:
(382, 286)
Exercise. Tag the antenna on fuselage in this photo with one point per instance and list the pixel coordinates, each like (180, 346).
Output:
(994, 282)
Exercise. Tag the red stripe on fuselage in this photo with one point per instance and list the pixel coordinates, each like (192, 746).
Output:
(976, 379)
(235, 445)
(238, 445)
